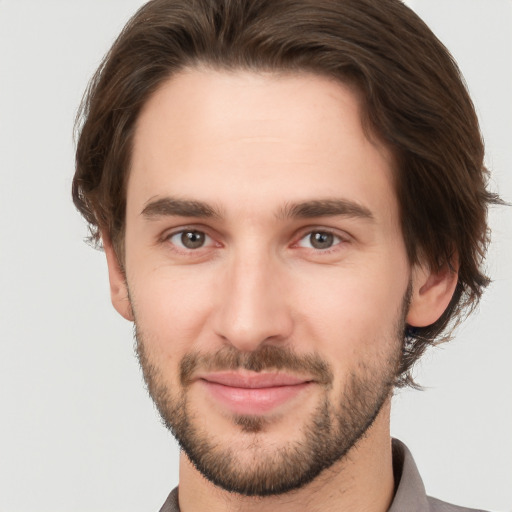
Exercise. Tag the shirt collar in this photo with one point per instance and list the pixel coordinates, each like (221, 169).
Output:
(410, 492)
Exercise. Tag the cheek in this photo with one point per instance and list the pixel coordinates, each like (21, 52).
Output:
(351, 313)
(171, 308)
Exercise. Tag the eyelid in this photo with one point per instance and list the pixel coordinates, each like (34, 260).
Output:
(302, 232)
(168, 234)
(343, 237)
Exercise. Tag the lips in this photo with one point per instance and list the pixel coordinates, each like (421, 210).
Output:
(253, 393)
(253, 380)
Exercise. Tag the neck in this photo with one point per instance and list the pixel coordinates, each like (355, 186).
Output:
(361, 481)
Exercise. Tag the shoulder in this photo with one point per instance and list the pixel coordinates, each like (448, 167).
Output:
(410, 492)
(436, 505)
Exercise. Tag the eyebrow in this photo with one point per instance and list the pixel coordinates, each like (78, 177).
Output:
(174, 207)
(325, 208)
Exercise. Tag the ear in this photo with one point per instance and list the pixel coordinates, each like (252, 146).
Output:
(118, 287)
(431, 294)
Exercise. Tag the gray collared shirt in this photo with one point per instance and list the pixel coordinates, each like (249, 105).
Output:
(410, 495)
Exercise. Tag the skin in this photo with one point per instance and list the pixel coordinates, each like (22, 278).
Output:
(249, 145)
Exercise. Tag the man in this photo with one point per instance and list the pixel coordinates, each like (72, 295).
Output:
(292, 201)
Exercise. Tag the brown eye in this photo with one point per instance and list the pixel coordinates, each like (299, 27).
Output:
(320, 240)
(192, 239)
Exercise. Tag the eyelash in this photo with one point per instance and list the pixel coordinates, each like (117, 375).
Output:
(184, 250)
(339, 240)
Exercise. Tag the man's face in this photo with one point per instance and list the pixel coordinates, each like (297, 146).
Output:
(266, 272)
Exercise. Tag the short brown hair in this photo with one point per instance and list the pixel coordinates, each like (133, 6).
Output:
(414, 101)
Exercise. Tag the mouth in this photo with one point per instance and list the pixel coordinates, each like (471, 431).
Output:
(249, 393)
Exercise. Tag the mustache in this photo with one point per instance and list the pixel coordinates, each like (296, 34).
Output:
(267, 357)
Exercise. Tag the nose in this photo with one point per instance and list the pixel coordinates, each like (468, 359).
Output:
(252, 308)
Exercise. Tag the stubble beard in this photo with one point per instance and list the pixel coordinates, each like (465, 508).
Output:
(326, 436)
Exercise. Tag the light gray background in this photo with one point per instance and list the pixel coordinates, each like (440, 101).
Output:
(77, 431)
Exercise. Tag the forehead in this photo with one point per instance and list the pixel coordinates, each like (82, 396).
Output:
(251, 139)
